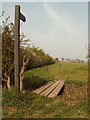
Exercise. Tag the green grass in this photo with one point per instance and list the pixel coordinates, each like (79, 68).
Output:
(62, 70)
(30, 105)
(73, 72)
(72, 103)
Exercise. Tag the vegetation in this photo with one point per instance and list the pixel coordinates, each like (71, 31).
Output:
(8, 53)
(39, 58)
(71, 103)
(30, 57)
(76, 72)
(7, 50)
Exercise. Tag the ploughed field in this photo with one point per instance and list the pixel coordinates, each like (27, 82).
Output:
(72, 102)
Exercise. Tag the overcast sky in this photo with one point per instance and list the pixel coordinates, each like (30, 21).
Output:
(60, 29)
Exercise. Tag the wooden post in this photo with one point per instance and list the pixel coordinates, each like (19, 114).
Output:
(18, 16)
(17, 47)
(88, 87)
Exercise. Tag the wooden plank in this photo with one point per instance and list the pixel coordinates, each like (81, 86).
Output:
(55, 92)
(39, 90)
(50, 89)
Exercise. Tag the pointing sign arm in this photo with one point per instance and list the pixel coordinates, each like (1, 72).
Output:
(22, 17)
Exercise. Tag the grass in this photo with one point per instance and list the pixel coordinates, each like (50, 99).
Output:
(62, 70)
(72, 103)
(69, 72)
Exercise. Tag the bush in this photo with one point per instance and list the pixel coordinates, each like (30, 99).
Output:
(33, 82)
(38, 58)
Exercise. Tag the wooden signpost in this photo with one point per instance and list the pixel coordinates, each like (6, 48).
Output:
(18, 16)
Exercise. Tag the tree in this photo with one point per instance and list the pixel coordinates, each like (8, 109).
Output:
(88, 56)
(57, 59)
(8, 53)
(24, 63)
(62, 59)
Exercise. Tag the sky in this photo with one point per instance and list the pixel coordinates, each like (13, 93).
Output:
(59, 28)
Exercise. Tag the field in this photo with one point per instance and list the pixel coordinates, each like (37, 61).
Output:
(71, 103)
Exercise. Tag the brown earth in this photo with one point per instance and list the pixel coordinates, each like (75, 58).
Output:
(73, 94)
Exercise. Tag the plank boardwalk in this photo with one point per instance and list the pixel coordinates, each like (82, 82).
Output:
(56, 90)
(41, 89)
(50, 89)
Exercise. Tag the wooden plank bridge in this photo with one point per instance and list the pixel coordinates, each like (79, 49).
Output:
(50, 89)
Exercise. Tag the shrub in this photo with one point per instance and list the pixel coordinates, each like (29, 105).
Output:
(33, 82)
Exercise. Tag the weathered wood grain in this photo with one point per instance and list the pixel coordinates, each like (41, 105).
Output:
(50, 89)
(55, 92)
(44, 87)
